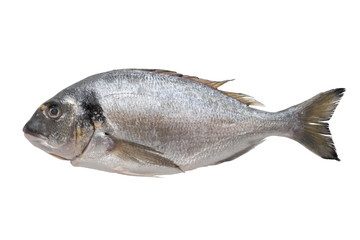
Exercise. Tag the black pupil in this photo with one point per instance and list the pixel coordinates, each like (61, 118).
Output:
(54, 111)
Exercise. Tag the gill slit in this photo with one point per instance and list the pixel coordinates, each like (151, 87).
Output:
(82, 152)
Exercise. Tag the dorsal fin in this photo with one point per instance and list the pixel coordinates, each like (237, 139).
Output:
(213, 84)
(246, 99)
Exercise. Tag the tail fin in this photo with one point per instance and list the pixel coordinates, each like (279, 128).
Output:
(312, 130)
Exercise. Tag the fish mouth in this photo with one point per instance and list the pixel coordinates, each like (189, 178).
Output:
(37, 139)
(40, 141)
(32, 136)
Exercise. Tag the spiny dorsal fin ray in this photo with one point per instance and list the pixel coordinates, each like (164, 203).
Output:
(213, 84)
(246, 99)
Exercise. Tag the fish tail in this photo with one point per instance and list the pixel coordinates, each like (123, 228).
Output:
(311, 128)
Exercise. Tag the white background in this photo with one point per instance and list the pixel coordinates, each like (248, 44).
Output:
(280, 52)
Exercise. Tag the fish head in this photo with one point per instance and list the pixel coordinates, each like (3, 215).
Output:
(57, 128)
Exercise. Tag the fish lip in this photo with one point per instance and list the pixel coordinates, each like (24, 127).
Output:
(36, 139)
(32, 135)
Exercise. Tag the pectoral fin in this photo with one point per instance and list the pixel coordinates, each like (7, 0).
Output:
(140, 154)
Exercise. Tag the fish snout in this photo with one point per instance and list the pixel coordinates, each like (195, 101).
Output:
(34, 128)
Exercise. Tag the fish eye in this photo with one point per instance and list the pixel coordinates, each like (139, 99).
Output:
(54, 111)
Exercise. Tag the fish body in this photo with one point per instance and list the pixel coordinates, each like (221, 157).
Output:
(154, 122)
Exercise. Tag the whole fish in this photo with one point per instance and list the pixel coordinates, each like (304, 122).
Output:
(151, 122)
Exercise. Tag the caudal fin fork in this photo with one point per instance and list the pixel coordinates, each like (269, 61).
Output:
(312, 129)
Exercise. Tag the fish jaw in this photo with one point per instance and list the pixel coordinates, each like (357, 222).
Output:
(42, 142)
(37, 139)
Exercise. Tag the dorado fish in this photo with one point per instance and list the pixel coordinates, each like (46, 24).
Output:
(151, 122)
